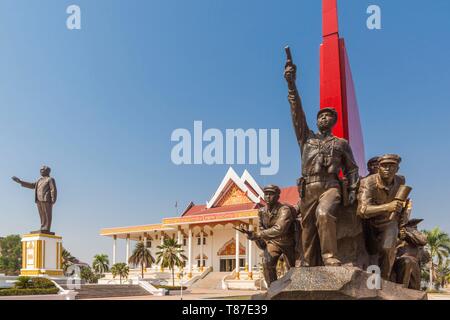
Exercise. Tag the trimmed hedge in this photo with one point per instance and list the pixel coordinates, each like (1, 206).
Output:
(33, 283)
(27, 292)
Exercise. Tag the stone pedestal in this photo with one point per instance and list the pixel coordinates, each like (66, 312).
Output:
(41, 255)
(335, 283)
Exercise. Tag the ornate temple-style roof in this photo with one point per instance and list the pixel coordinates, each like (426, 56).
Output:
(236, 199)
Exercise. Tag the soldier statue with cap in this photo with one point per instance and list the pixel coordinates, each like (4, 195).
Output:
(411, 255)
(278, 232)
(377, 203)
(369, 238)
(323, 157)
(373, 165)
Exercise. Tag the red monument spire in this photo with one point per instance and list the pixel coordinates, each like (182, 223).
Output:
(336, 83)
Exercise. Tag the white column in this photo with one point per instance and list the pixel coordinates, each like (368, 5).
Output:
(180, 242)
(201, 250)
(145, 246)
(211, 243)
(190, 253)
(128, 248)
(250, 262)
(246, 255)
(237, 254)
(114, 249)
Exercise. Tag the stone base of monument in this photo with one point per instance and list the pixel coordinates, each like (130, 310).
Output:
(335, 283)
(42, 255)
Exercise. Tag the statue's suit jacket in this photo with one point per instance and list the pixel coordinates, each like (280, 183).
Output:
(44, 189)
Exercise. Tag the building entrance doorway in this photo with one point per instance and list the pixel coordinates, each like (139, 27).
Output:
(228, 265)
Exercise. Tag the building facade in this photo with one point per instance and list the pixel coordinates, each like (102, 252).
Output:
(206, 232)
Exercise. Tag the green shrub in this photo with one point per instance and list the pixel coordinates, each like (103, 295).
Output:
(42, 283)
(27, 292)
(23, 283)
(33, 283)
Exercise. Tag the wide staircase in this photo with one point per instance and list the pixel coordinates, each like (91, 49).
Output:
(213, 281)
(98, 291)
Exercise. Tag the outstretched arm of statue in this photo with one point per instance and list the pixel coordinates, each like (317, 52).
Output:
(29, 185)
(298, 114)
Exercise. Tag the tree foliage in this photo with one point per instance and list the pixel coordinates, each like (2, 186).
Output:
(10, 255)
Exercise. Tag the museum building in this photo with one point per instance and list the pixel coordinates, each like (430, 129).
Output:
(206, 233)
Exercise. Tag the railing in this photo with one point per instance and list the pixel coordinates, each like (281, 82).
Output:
(151, 289)
(197, 277)
(230, 281)
(67, 294)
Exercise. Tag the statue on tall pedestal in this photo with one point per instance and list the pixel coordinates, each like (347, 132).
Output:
(45, 193)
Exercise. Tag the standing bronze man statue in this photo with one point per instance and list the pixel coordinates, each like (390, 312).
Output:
(323, 158)
(45, 197)
(277, 229)
(378, 204)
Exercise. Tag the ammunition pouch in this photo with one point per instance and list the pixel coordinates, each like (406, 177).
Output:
(344, 192)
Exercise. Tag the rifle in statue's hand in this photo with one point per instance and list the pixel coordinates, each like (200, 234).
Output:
(260, 243)
(289, 60)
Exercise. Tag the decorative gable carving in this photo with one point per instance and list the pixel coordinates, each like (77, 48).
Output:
(229, 248)
(234, 196)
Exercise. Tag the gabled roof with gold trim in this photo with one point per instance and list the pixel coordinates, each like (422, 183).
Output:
(233, 194)
(236, 198)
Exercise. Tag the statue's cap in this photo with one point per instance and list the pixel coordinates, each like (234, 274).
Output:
(390, 158)
(413, 223)
(271, 188)
(373, 160)
(328, 109)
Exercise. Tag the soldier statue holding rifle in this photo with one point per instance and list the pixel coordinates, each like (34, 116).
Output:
(277, 233)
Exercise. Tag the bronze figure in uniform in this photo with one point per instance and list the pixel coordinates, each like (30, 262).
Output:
(373, 165)
(278, 231)
(44, 195)
(377, 203)
(370, 239)
(323, 157)
(410, 255)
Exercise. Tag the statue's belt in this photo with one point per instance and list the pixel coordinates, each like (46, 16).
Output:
(320, 178)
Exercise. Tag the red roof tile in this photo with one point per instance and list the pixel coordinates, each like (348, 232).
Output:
(289, 195)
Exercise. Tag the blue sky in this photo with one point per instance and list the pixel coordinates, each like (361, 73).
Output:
(98, 105)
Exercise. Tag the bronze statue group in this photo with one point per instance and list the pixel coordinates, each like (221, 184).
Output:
(330, 187)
